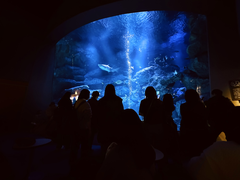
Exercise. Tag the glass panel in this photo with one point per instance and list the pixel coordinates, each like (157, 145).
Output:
(163, 49)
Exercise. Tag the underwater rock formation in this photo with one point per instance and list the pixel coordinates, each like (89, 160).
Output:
(70, 72)
(142, 77)
(94, 73)
(197, 49)
(60, 84)
(193, 81)
(199, 65)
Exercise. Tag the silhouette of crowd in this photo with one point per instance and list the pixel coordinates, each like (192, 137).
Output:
(129, 145)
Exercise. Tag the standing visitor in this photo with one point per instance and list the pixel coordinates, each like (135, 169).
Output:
(110, 109)
(81, 128)
(95, 113)
(151, 109)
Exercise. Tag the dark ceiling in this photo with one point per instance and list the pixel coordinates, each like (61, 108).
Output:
(42, 9)
(25, 24)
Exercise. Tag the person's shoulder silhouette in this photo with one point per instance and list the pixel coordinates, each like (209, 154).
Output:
(151, 108)
(110, 101)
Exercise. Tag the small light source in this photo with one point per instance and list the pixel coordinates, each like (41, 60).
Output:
(198, 89)
(76, 92)
(158, 94)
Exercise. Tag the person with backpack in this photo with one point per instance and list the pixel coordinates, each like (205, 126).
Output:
(81, 126)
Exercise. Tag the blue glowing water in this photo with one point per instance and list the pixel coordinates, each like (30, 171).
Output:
(133, 51)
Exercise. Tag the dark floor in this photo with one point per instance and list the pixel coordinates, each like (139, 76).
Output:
(50, 164)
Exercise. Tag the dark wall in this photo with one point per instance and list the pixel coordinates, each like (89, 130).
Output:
(223, 39)
(39, 92)
(238, 14)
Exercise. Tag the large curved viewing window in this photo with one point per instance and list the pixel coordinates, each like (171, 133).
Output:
(163, 49)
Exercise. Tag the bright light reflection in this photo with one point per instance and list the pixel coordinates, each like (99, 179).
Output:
(127, 37)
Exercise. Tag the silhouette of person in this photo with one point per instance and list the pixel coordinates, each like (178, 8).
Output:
(50, 111)
(42, 128)
(110, 109)
(95, 113)
(194, 127)
(151, 109)
(170, 128)
(81, 128)
(218, 110)
(221, 160)
(130, 156)
(169, 107)
(63, 116)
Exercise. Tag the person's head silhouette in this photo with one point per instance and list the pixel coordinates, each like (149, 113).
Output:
(109, 91)
(95, 94)
(191, 96)
(84, 94)
(150, 93)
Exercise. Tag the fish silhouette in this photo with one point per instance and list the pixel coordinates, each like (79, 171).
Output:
(107, 68)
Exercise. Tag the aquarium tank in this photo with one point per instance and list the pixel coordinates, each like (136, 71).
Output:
(164, 49)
